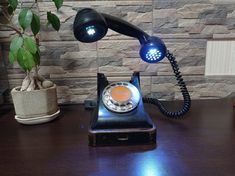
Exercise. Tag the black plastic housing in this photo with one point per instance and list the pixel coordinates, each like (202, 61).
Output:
(89, 17)
(112, 128)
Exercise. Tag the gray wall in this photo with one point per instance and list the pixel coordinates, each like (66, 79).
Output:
(184, 25)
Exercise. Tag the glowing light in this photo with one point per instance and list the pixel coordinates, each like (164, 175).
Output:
(90, 30)
(153, 50)
(147, 165)
(153, 54)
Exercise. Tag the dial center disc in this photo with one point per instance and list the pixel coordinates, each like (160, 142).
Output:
(121, 94)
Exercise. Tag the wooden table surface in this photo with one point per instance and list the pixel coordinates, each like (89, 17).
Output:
(202, 144)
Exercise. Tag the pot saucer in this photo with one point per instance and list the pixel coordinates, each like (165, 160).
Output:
(37, 120)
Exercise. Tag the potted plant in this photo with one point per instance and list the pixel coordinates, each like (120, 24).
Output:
(35, 101)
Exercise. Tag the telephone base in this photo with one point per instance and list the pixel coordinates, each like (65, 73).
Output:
(109, 137)
(124, 127)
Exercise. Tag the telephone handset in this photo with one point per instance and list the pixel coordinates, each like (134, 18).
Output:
(120, 116)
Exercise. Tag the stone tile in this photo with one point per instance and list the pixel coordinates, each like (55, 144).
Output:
(198, 86)
(137, 12)
(215, 29)
(184, 26)
(164, 4)
(75, 90)
(47, 70)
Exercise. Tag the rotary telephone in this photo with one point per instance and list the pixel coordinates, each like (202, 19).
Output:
(119, 117)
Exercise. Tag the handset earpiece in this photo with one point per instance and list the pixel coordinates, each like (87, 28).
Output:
(89, 26)
(153, 50)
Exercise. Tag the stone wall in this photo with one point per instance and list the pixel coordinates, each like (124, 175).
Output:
(184, 25)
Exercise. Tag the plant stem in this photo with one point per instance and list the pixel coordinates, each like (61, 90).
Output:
(32, 5)
(6, 16)
(36, 70)
(37, 36)
(12, 27)
(21, 4)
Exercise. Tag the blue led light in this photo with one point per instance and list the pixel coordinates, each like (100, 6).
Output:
(153, 54)
(90, 30)
(153, 50)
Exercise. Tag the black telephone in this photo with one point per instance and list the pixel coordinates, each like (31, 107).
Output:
(120, 117)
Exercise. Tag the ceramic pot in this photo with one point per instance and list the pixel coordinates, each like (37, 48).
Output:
(37, 106)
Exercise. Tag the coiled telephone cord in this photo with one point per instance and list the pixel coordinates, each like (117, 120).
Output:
(187, 100)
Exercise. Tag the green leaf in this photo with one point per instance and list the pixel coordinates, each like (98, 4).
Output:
(10, 10)
(13, 3)
(53, 20)
(16, 43)
(25, 18)
(35, 24)
(58, 3)
(30, 45)
(11, 57)
(25, 59)
(36, 57)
